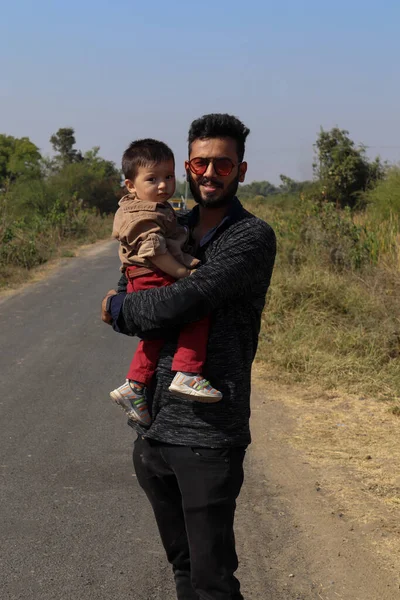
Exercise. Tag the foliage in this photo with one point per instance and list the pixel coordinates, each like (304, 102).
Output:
(182, 188)
(344, 169)
(332, 313)
(384, 199)
(95, 183)
(63, 143)
(335, 237)
(104, 168)
(265, 189)
(89, 177)
(289, 186)
(19, 157)
(28, 198)
(257, 188)
(32, 238)
(46, 202)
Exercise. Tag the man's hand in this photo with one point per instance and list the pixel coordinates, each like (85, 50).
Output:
(105, 315)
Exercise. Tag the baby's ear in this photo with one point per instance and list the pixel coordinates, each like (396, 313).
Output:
(130, 186)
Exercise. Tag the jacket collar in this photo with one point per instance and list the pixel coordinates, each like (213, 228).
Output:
(234, 213)
(132, 204)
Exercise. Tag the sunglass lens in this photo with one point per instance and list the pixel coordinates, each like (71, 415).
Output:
(198, 166)
(223, 166)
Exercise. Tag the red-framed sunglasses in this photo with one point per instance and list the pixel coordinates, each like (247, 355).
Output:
(222, 166)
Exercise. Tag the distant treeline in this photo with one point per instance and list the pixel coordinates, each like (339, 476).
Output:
(47, 202)
(44, 201)
(342, 173)
(33, 182)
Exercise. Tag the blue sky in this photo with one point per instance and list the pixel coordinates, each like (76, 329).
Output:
(117, 71)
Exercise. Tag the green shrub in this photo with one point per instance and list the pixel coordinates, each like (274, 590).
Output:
(29, 238)
(309, 230)
(384, 200)
(332, 313)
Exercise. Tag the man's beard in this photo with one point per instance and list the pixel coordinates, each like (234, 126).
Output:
(211, 202)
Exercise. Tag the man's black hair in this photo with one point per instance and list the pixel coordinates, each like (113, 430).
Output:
(219, 125)
(144, 153)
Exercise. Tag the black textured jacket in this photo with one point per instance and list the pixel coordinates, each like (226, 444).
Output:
(231, 284)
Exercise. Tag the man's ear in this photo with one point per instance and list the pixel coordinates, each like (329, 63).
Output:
(242, 171)
(130, 186)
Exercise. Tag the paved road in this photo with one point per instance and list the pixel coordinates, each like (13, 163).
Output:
(74, 523)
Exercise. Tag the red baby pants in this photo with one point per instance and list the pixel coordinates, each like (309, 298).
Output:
(191, 350)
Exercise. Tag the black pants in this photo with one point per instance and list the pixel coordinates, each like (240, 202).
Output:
(193, 493)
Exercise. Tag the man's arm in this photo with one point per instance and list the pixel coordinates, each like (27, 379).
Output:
(244, 259)
(122, 284)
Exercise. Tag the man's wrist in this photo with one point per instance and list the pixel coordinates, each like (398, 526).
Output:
(114, 307)
(108, 304)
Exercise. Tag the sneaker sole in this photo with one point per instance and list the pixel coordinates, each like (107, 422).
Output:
(120, 400)
(127, 408)
(193, 395)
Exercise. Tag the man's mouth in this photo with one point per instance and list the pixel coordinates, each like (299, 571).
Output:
(211, 186)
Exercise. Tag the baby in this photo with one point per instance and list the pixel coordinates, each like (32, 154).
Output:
(151, 242)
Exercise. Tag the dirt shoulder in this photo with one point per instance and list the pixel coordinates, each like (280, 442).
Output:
(318, 515)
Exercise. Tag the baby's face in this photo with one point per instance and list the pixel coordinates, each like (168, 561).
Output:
(155, 183)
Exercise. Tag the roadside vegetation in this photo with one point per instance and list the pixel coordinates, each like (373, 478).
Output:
(333, 312)
(48, 206)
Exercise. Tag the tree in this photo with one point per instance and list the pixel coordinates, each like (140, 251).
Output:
(19, 157)
(384, 200)
(257, 188)
(94, 180)
(288, 184)
(63, 143)
(105, 168)
(343, 168)
(182, 187)
(291, 186)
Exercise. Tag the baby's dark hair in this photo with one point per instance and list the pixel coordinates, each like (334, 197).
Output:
(144, 153)
(218, 125)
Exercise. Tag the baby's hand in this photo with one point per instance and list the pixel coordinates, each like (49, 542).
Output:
(183, 272)
(195, 263)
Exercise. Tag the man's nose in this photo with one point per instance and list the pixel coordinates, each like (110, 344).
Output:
(210, 172)
(162, 185)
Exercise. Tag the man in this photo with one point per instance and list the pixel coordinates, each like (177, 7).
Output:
(190, 461)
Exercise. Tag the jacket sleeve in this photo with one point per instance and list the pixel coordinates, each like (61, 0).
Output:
(243, 260)
(144, 237)
(154, 244)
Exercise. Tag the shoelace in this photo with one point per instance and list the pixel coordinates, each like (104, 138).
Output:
(201, 384)
(139, 401)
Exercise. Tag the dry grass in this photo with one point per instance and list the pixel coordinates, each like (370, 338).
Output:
(52, 248)
(330, 353)
(337, 326)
